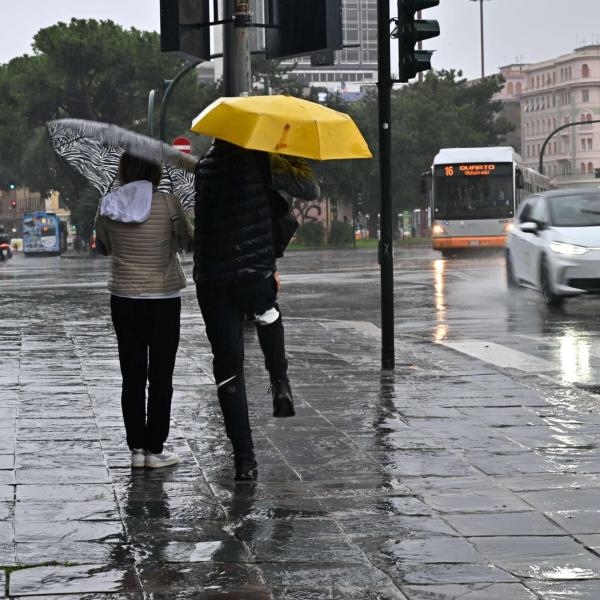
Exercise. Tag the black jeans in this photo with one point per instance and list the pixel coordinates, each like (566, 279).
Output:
(223, 308)
(148, 338)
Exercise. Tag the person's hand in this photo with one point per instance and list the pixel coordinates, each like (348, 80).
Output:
(277, 278)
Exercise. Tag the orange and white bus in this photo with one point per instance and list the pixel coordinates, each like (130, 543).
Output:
(474, 196)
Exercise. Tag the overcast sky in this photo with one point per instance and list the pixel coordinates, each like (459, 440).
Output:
(515, 30)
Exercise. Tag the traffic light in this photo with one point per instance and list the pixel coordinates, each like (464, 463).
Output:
(13, 204)
(12, 185)
(184, 28)
(410, 32)
(301, 27)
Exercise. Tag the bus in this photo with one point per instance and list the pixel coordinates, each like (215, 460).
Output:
(42, 234)
(474, 196)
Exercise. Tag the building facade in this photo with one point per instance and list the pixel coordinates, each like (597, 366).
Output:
(354, 66)
(510, 96)
(558, 92)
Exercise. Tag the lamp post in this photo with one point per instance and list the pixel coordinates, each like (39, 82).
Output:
(481, 28)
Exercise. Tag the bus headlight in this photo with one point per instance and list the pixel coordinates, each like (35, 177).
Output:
(438, 230)
(571, 249)
(508, 228)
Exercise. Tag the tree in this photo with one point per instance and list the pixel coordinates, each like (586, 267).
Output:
(85, 69)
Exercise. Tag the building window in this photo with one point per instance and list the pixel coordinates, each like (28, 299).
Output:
(509, 88)
(585, 95)
(590, 168)
(589, 143)
(585, 71)
(519, 87)
(588, 117)
(582, 167)
(583, 144)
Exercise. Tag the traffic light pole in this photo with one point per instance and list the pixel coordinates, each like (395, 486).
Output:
(236, 49)
(386, 256)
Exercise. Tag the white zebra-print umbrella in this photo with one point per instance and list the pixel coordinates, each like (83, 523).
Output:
(93, 149)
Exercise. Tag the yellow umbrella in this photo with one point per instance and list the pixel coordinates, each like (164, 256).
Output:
(284, 125)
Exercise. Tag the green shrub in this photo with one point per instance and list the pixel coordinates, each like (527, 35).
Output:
(340, 233)
(311, 233)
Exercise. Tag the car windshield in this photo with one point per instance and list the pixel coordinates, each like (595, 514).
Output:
(575, 210)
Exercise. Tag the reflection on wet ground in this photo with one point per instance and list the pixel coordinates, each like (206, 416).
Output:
(454, 477)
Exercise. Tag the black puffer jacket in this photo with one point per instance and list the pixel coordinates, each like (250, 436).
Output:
(233, 235)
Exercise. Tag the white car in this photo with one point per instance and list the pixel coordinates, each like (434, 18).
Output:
(554, 245)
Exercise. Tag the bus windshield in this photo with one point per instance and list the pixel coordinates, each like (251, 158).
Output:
(473, 191)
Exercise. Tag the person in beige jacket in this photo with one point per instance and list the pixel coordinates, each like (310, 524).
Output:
(142, 229)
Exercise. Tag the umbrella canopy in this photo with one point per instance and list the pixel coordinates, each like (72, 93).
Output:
(284, 125)
(93, 149)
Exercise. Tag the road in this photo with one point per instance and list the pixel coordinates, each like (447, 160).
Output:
(462, 303)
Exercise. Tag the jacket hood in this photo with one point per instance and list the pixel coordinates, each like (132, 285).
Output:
(131, 203)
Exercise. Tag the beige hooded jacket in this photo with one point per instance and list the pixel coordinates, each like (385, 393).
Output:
(142, 230)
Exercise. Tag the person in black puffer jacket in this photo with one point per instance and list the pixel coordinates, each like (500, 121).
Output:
(236, 245)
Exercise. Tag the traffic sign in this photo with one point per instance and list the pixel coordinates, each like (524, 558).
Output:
(182, 144)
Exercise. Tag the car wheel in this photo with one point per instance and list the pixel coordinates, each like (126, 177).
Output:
(550, 298)
(511, 280)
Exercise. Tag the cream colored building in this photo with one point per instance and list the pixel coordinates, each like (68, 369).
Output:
(558, 92)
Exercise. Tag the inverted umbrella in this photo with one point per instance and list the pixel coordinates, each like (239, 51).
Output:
(93, 149)
(283, 125)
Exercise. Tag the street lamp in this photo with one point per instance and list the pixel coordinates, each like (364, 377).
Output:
(481, 27)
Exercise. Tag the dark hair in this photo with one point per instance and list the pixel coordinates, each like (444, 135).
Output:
(132, 168)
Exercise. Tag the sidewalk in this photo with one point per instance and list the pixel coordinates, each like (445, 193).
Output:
(447, 479)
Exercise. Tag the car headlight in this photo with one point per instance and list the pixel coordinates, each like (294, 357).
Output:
(437, 230)
(562, 248)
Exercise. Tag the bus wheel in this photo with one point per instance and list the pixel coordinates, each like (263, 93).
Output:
(511, 280)
(447, 252)
(550, 298)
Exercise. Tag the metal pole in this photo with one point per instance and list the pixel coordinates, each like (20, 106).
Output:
(547, 140)
(151, 97)
(163, 109)
(420, 47)
(482, 45)
(228, 60)
(236, 48)
(386, 258)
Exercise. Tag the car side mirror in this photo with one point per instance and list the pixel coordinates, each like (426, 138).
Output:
(519, 180)
(529, 227)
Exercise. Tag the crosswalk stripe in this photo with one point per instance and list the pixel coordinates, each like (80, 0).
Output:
(500, 356)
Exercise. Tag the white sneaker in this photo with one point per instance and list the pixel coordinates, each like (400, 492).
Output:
(138, 458)
(165, 459)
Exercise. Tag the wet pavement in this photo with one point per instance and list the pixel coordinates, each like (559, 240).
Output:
(472, 471)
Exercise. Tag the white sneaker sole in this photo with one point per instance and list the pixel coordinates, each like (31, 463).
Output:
(158, 464)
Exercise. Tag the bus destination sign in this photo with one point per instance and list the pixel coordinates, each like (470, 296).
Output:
(470, 170)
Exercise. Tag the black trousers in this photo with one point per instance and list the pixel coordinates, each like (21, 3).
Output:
(223, 308)
(148, 338)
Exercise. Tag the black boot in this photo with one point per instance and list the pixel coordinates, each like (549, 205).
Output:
(283, 401)
(245, 466)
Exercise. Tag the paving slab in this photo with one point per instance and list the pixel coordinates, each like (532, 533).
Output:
(71, 580)
(480, 591)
